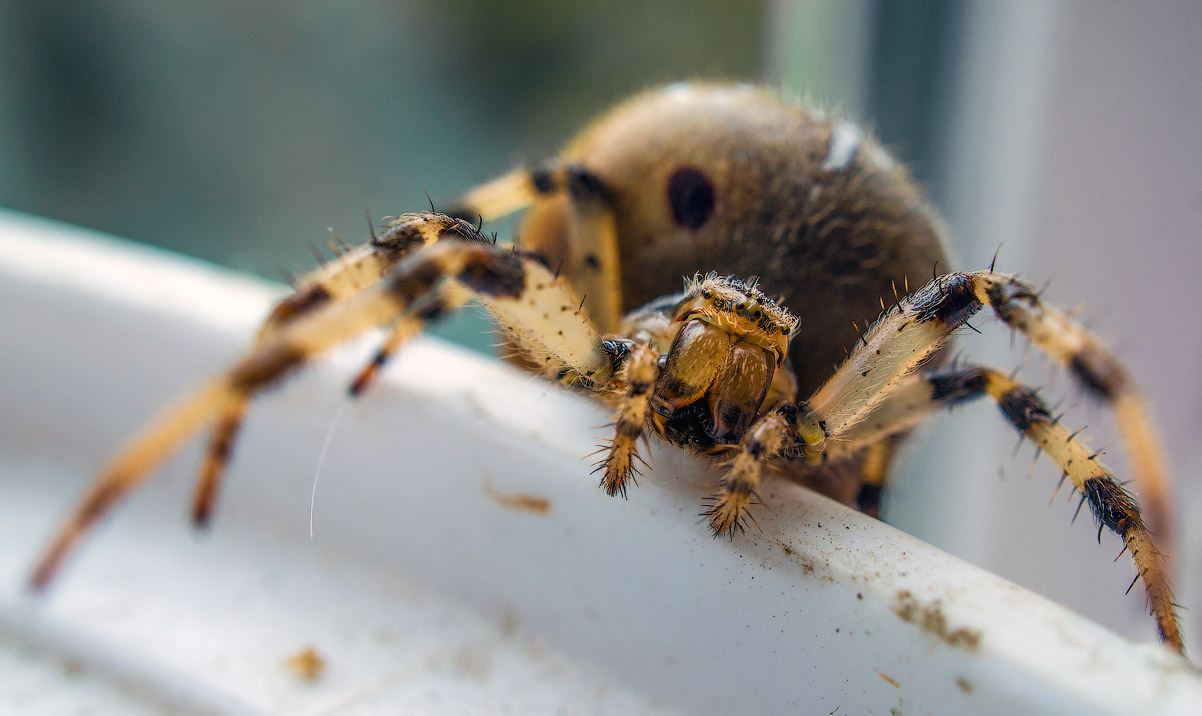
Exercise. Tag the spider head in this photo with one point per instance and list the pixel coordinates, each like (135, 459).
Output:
(740, 310)
(731, 341)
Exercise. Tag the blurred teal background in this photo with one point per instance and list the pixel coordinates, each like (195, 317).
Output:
(237, 132)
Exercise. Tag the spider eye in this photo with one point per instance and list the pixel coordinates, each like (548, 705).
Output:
(707, 293)
(757, 314)
(742, 306)
(690, 197)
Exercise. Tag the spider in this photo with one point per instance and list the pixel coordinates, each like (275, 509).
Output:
(717, 183)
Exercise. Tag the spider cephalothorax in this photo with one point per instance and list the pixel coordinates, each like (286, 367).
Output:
(716, 182)
(729, 342)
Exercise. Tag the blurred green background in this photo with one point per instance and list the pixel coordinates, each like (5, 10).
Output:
(237, 132)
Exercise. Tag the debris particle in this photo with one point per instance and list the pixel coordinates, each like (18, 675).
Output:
(931, 619)
(306, 663)
(518, 501)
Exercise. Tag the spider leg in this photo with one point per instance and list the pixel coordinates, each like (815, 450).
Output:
(132, 464)
(589, 253)
(876, 381)
(500, 197)
(763, 441)
(638, 373)
(404, 329)
(1019, 306)
(1112, 506)
(909, 403)
(539, 313)
(875, 472)
(337, 280)
(920, 323)
(592, 245)
(519, 189)
(400, 332)
(216, 459)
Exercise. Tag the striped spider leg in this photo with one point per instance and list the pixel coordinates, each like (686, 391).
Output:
(352, 271)
(876, 393)
(454, 263)
(589, 254)
(363, 266)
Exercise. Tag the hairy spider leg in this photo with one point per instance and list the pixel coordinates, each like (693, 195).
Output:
(498, 198)
(955, 297)
(874, 472)
(639, 374)
(216, 458)
(1112, 506)
(539, 312)
(341, 278)
(401, 331)
(1104, 377)
(764, 440)
(589, 253)
(878, 377)
(592, 250)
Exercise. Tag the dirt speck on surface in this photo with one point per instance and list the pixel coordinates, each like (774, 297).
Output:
(964, 684)
(892, 683)
(306, 663)
(72, 668)
(518, 500)
(507, 623)
(474, 664)
(809, 563)
(930, 618)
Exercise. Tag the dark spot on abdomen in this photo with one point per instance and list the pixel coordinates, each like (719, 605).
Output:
(690, 197)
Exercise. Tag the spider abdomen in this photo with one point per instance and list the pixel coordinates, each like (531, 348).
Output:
(732, 179)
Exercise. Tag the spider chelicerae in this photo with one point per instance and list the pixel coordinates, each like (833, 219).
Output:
(718, 183)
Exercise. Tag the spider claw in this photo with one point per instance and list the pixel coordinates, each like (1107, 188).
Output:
(613, 488)
(725, 516)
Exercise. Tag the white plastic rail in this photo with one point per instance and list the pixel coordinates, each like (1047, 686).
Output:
(463, 559)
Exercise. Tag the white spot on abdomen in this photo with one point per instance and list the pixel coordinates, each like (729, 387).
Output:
(845, 140)
(679, 88)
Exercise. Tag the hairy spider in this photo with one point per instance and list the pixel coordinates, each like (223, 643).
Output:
(710, 182)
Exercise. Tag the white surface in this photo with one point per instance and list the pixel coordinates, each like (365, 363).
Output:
(420, 589)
